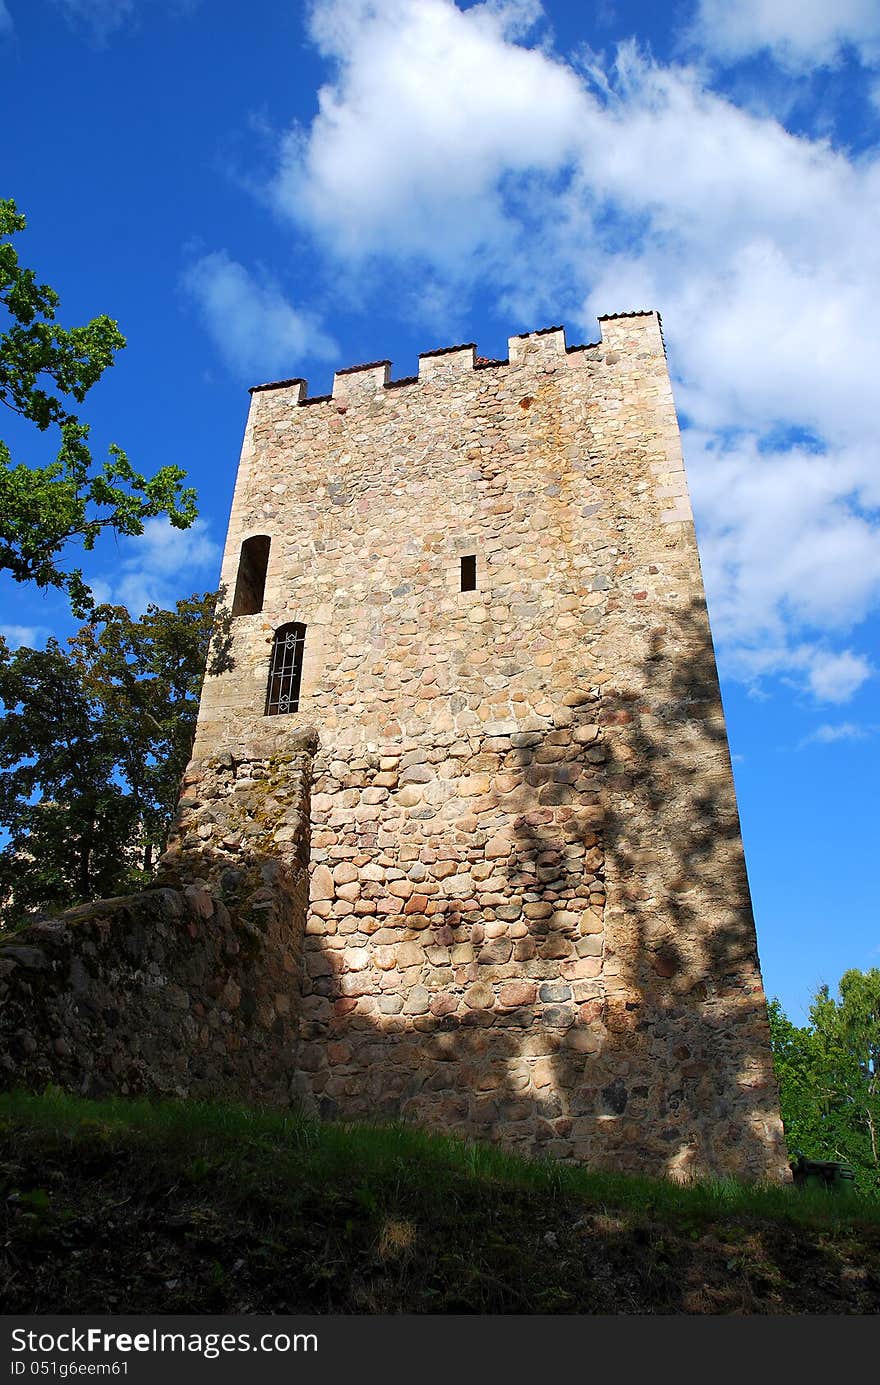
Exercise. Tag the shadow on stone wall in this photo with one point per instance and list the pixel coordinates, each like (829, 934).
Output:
(166, 992)
(642, 1047)
(688, 1003)
(190, 988)
(647, 1050)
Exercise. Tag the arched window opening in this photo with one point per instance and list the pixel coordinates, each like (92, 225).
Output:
(285, 670)
(250, 583)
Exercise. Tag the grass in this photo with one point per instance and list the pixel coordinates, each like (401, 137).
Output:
(190, 1207)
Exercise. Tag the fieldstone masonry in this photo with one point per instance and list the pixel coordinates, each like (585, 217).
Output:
(191, 988)
(489, 875)
(529, 917)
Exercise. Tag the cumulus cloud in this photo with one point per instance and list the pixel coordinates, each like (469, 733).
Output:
(829, 734)
(827, 675)
(454, 145)
(253, 325)
(30, 635)
(786, 537)
(157, 566)
(797, 33)
(430, 110)
(759, 244)
(834, 677)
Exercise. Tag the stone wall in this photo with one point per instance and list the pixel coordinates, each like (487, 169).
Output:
(190, 988)
(530, 918)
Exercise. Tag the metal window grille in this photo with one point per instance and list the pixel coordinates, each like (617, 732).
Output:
(285, 670)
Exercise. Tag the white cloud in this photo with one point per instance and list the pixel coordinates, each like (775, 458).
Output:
(253, 325)
(447, 146)
(161, 566)
(164, 549)
(786, 536)
(103, 18)
(797, 33)
(829, 734)
(430, 108)
(828, 675)
(30, 635)
(835, 677)
(6, 24)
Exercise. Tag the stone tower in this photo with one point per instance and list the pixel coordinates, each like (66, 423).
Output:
(529, 916)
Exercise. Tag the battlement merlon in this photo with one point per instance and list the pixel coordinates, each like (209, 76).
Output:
(638, 331)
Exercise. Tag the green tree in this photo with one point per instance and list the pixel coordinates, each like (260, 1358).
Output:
(794, 1059)
(93, 744)
(829, 1076)
(67, 819)
(45, 367)
(146, 675)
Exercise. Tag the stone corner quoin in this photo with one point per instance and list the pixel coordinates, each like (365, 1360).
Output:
(529, 917)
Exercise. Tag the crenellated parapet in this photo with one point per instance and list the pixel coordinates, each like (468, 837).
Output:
(546, 346)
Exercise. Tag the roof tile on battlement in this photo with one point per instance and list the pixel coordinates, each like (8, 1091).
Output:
(368, 365)
(278, 384)
(446, 350)
(637, 312)
(540, 332)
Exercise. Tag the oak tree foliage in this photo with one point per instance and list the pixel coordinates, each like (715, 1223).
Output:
(46, 371)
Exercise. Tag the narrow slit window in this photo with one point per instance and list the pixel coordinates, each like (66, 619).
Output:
(250, 584)
(285, 670)
(469, 573)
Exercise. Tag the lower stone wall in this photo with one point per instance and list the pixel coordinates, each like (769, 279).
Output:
(455, 936)
(477, 960)
(190, 988)
(484, 952)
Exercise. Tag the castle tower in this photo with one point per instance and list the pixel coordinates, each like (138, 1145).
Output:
(529, 917)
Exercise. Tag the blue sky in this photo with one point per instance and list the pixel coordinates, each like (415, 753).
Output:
(279, 189)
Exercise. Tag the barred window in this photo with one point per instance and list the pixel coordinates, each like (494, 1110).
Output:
(250, 583)
(285, 670)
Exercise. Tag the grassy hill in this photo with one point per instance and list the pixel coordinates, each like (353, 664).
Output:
(183, 1208)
